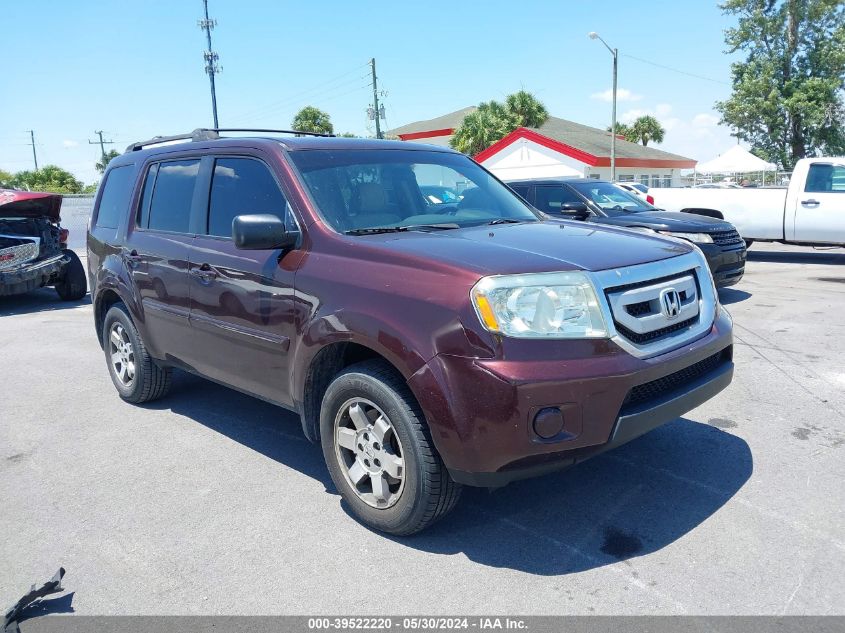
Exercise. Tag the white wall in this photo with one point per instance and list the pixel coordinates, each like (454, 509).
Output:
(527, 159)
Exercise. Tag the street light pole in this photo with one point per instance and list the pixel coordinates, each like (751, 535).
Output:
(615, 52)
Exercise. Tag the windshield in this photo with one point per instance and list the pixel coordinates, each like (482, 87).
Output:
(358, 190)
(611, 199)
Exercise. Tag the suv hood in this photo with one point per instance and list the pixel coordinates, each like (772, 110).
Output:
(661, 220)
(29, 204)
(534, 247)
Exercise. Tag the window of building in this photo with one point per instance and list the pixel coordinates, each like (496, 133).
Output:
(655, 180)
(626, 178)
(667, 181)
(116, 194)
(242, 186)
(644, 179)
(172, 194)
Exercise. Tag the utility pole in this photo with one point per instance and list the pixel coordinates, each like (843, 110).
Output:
(211, 59)
(376, 110)
(615, 52)
(32, 142)
(101, 143)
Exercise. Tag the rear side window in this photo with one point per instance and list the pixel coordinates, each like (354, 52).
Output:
(172, 194)
(115, 199)
(241, 186)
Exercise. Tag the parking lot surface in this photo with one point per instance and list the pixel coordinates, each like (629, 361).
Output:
(211, 502)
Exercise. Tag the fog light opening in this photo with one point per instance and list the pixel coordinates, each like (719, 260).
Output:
(548, 422)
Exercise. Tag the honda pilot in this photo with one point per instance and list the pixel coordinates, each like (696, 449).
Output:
(425, 343)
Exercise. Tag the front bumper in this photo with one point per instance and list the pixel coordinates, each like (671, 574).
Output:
(727, 266)
(481, 411)
(32, 275)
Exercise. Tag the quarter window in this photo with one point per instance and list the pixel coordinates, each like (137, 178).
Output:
(115, 198)
(172, 195)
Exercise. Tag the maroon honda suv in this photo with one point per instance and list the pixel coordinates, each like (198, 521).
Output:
(426, 342)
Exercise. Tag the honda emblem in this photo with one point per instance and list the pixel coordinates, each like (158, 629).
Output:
(670, 303)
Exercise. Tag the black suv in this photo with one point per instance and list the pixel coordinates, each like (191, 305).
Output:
(605, 203)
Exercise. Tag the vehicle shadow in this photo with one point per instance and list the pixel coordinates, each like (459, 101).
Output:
(728, 296)
(41, 300)
(833, 256)
(629, 502)
(626, 503)
(263, 427)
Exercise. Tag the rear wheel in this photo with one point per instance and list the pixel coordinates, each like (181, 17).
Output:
(73, 284)
(136, 376)
(379, 453)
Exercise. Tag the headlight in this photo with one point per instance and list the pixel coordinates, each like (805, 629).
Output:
(698, 238)
(541, 305)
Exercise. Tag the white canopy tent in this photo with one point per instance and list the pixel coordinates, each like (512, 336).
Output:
(737, 160)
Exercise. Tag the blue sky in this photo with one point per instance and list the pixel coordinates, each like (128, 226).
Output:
(135, 69)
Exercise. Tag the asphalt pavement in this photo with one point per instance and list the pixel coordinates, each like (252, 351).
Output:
(211, 502)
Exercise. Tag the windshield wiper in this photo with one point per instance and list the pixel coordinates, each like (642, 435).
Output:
(398, 229)
(504, 221)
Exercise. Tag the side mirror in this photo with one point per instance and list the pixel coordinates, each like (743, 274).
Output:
(262, 231)
(575, 210)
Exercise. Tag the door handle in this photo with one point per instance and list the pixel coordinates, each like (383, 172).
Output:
(811, 202)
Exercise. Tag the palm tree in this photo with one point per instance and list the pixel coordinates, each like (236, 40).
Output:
(644, 129)
(311, 119)
(480, 129)
(104, 161)
(525, 109)
(493, 121)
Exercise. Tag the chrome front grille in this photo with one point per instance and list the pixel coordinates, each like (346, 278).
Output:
(727, 238)
(656, 307)
(13, 256)
(639, 312)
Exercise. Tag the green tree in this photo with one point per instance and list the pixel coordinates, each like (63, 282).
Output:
(644, 129)
(622, 130)
(311, 119)
(104, 161)
(480, 129)
(49, 178)
(787, 99)
(5, 179)
(526, 109)
(492, 121)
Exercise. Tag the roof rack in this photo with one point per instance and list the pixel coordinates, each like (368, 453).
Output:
(211, 134)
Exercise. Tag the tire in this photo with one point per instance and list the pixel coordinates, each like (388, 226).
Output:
(748, 244)
(137, 377)
(424, 493)
(73, 284)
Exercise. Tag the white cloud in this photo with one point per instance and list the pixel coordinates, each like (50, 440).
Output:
(622, 94)
(68, 143)
(663, 109)
(705, 120)
(629, 116)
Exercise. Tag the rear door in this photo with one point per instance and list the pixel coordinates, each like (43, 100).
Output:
(156, 252)
(242, 303)
(820, 208)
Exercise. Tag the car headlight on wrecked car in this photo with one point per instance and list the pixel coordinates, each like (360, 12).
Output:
(539, 305)
(697, 238)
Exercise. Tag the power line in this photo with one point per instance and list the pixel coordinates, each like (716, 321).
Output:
(675, 70)
(309, 93)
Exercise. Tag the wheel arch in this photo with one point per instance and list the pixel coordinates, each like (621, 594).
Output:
(710, 213)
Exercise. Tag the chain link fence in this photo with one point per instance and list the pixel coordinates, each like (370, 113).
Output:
(76, 209)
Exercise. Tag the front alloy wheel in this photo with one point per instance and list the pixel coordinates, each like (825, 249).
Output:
(369, 452)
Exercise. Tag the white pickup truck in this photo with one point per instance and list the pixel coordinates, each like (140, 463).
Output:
(811, 210)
